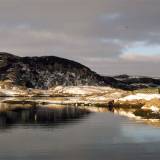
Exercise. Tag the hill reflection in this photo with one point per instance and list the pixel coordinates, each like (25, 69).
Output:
(41, 116)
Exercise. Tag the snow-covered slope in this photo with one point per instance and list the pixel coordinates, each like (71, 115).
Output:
(82, 90)
(140, 96)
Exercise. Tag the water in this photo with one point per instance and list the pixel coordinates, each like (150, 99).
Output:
(72, 133)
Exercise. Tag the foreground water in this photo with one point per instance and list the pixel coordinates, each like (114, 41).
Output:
(72, 133)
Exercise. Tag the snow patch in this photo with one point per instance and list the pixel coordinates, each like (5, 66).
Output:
(140, 96)
(152, 108)
(82, 90)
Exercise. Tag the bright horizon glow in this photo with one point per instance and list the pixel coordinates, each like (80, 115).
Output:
(144, 50)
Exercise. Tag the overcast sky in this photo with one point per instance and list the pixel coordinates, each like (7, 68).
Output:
(110, 36)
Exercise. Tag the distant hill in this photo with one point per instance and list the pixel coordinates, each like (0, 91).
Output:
(138, 81)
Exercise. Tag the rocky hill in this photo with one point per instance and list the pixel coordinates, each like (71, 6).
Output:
(49, 71)
(138, 82)
(46, 72)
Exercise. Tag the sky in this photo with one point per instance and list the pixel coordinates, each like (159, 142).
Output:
(110, 36)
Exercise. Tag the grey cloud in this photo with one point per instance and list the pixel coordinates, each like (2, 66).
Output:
(116, 66)
(23, 41)
(89, 31)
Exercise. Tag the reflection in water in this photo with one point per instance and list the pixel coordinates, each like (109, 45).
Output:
(143, 116)
(28, 114)
(40, 116)
(99, 136)
(130, 113)
(95, 109)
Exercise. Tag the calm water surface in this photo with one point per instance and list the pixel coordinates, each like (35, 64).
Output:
(72, 133)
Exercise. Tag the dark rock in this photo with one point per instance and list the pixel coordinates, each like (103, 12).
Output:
(45, 72)
(48, 71)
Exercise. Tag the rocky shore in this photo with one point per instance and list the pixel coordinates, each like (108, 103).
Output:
(144, 105)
